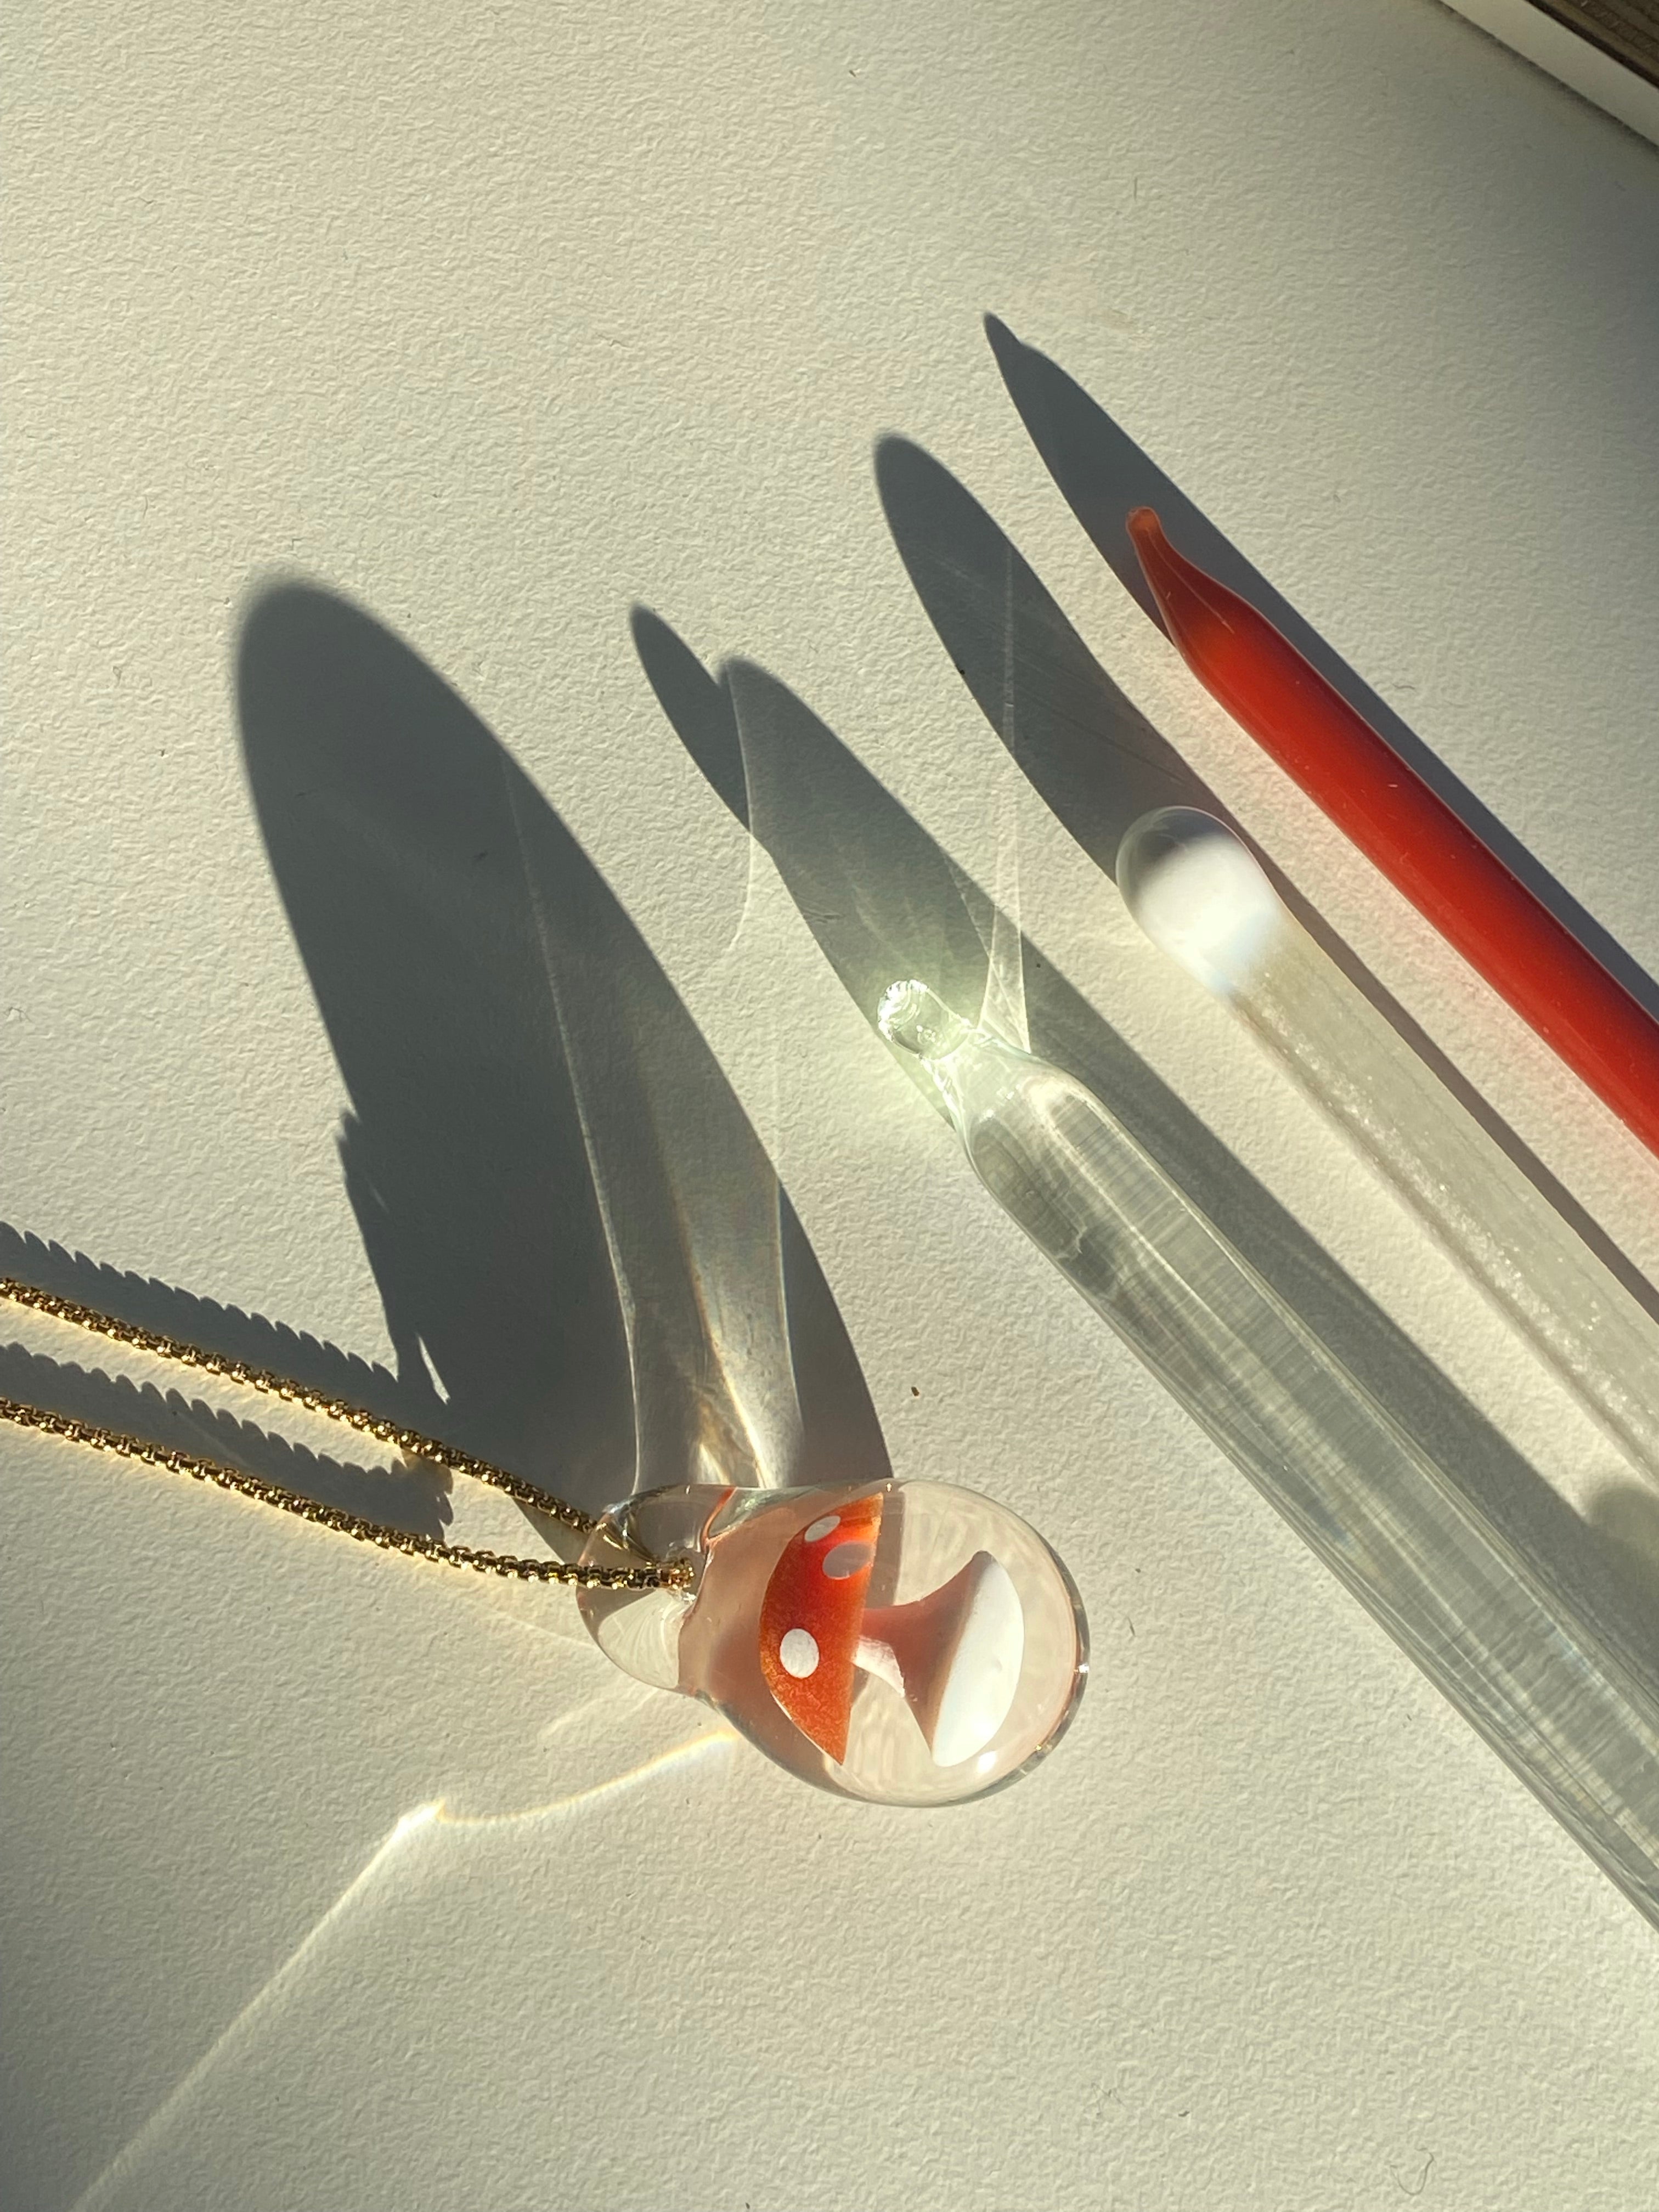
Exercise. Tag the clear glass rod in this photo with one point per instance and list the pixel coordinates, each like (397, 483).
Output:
(1579, 1726)
(1201, 896)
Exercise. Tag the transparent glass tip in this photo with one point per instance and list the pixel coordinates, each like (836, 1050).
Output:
(919, 1021)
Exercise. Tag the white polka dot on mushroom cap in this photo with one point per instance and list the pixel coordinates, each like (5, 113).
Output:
(800, 1653)
(820, 1529)
(846, 1559)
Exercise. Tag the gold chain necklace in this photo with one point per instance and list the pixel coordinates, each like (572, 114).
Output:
(651, 1576)
(908, 1642)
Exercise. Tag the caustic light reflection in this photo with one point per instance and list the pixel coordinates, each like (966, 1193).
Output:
(183, 2102)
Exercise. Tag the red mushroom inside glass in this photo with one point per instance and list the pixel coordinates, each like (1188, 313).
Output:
(953, 1654)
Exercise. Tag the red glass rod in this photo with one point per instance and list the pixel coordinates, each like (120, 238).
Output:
(1422, 848)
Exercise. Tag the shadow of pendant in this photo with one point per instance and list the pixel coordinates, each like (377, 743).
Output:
(582, 1246)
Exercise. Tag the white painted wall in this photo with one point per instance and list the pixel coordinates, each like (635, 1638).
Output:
(496, 321)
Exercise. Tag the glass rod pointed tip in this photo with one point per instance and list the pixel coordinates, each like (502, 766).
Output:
(919, 1021)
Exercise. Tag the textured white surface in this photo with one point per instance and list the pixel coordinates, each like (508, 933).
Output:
(494, 321)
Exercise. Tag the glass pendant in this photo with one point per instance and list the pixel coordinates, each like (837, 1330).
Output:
(905, 1641)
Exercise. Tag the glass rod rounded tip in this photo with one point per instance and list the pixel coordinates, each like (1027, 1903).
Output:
(917, 1020)
(1200, 894)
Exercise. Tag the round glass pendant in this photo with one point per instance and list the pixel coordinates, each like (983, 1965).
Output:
(908, 1643)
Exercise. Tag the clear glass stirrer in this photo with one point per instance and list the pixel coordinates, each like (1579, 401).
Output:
(1575, 1724)
(1202, 897)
